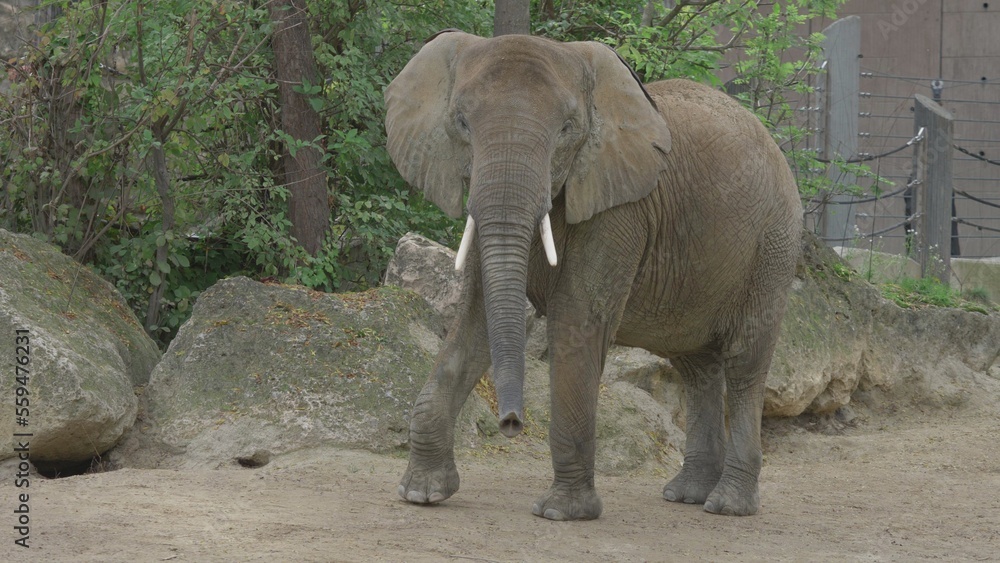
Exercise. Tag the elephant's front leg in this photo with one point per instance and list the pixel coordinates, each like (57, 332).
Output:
(577, 350)
(431, 475)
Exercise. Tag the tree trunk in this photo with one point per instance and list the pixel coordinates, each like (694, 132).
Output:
(161, 180)
(547, 10)
(512, 17)
(294, 64)
(649, 12)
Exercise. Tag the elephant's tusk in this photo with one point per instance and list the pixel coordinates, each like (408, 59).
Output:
(550, 245)
(463, 248)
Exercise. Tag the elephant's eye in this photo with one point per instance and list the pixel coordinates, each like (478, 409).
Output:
(461, 123)
(567, 127)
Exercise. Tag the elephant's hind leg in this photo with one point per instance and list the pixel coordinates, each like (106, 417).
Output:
(705, 448)
(736, 493)
(431, 475)
(748, 360)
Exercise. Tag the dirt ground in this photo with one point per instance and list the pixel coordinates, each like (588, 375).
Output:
(903, 491)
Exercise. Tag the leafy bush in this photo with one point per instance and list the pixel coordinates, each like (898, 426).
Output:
(110, 86)
(144, 139)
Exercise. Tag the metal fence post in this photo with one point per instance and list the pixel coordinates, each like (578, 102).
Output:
(840, 130)
(934, 169)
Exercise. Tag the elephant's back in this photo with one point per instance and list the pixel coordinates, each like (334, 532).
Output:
(685, 104)
(724, 149)
(710, 124)
(679, 98)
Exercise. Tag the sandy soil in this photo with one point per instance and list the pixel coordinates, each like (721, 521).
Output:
(928, 489)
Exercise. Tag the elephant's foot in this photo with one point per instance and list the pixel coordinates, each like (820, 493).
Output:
(428, 485)
(691, 486)
(733, 499)
(564, 503)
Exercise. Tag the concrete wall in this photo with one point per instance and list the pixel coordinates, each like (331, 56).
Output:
(967, 273)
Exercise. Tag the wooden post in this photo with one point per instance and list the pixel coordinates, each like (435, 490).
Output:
(934, 170)
(840, 128)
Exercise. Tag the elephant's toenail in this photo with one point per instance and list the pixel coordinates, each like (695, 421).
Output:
(553, 514)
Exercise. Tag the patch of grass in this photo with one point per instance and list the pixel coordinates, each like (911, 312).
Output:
(918, 293)
(978, 295)
(533, 430)
(486, 390)
(843, 271)
(838, 269)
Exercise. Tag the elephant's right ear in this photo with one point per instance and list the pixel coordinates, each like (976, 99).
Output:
(416, 104)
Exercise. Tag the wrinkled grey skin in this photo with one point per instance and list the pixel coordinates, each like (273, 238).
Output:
(676, 230)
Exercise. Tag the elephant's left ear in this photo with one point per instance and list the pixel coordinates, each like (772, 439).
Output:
(625, 152)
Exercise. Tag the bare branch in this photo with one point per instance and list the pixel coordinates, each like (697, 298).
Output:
(683, 4)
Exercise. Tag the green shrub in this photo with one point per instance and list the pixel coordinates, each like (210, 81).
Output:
(111, 86)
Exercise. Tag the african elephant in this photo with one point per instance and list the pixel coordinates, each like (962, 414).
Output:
(667, 219)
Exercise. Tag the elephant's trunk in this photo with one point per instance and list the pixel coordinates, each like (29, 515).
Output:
(504, 252)
(508, 198)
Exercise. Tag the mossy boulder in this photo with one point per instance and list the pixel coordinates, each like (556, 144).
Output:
(824, 335)
(86, 351)
(842, 341)
(264, 369)
(933, 357)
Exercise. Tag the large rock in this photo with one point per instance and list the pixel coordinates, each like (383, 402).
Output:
(640, 412)
(841, 340)
(827, 327)
(87, 351)
(934, 357)
(427, 268)
(260, 370)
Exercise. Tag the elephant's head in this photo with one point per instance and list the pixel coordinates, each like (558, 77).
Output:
(517, 119)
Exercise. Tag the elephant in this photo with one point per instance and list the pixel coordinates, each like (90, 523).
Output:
(666, 217)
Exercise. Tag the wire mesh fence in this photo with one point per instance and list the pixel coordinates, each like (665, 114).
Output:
(883, 216)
